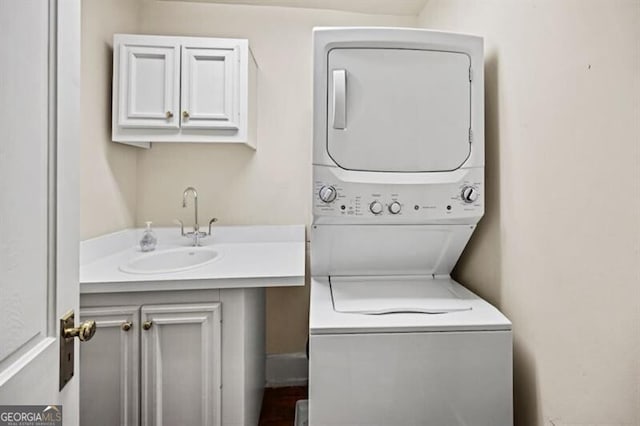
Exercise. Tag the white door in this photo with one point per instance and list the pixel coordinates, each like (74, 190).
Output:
(110, 367)
(398, 110)
(39, 108)
(181, 364)
(148, 83)
(210, 87)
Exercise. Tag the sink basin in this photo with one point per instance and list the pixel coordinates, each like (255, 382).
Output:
(172, 260)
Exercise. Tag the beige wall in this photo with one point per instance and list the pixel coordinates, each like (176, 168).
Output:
(559, 248)
(123, 185)
(107, 170)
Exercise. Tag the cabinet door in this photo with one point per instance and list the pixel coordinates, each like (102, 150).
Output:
(109, 368)
(181, 364)
(210, 87)
(149, 79)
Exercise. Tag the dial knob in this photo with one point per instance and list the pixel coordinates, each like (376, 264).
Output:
(469, 194)
(328, 194)
(394, 208)
(375, 207)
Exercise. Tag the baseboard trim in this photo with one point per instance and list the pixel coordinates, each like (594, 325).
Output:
(291, 369)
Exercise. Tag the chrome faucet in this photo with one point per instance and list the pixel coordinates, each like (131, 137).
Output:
(196, 234)
(196, 227)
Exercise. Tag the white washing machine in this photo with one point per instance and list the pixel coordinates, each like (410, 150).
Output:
(398, 175)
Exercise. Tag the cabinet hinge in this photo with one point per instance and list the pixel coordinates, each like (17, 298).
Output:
(470, 135)
(470, 74)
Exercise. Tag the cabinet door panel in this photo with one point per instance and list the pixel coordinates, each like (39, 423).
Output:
(210, 88)
(149, 86)
(181, 364)
(109, 368)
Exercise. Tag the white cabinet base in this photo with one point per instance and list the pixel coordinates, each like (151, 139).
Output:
(181, 364)
(183, 322)
(109, 365)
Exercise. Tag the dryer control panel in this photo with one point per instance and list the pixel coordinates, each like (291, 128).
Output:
(336, 201)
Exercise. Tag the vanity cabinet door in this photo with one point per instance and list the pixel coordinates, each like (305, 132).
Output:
(181, 364)
(210, 86)
(109, 367)
(149, 83)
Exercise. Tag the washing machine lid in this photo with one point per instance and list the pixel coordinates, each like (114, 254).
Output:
(325, 319)
(398, 110)
(389, 295)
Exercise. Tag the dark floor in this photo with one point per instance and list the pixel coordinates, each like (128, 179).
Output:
(279, 405)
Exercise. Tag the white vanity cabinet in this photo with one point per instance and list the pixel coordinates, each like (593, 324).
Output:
(181, 364)
(183, 347)
(183, 89)
(110, 367)
(162, 360)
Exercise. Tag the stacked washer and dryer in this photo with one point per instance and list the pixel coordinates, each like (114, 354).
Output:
(398, 188)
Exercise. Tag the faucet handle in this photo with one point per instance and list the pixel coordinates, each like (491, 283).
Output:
(211, 222)
(179, 222)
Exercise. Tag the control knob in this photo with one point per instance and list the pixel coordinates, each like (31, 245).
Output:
(469, 194)
(394, 208)
(375, 207)
(328, 194)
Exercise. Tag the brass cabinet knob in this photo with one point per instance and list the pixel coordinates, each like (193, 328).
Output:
(84, 331)
(185, 114)
(147, 325)
(126, 326)
(169, 114)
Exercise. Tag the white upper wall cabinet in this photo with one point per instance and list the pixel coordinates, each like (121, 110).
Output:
(149, 91)
(209, 87)
(183, 89)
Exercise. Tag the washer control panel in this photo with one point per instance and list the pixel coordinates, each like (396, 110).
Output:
(398, 202)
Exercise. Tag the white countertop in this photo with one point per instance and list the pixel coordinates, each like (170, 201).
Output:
(250, 256)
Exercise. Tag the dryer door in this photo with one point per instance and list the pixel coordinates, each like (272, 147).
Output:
(398, 110)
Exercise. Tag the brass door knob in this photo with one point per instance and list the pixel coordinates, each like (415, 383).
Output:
(169, 114)
(126, 326)
(84, 331)
(147, 325)
(185, 114)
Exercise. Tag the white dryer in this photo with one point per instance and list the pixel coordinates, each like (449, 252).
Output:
(398, 187)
